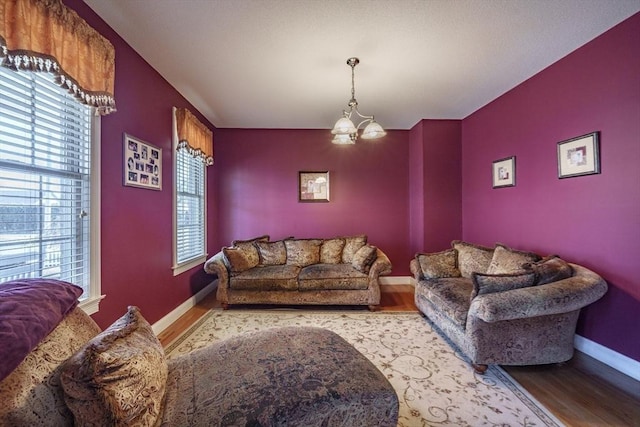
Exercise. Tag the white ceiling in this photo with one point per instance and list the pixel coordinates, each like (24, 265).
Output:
(282, 63)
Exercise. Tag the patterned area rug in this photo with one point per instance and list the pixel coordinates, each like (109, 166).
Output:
(435, 385)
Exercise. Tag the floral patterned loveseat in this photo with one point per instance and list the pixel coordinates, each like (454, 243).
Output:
(504, 306)
(336, 271)
(58, 369)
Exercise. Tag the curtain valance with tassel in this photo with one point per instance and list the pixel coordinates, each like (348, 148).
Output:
(47, 36)
(194, 136)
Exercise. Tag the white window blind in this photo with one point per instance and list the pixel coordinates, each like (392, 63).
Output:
(45, 181)
(190, 207)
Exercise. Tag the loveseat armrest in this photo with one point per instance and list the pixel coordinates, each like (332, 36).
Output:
(381, 265)
(563, 296)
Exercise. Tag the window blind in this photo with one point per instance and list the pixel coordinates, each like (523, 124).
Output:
(190, 208)
(45, 161)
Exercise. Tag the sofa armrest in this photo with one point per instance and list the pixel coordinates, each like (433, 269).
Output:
(215, 265)
(381, 265)
(414, 266)
(563, 296)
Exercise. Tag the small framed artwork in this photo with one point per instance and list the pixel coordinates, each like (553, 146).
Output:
(579, 156)
(142, 164)
(504, 172)
(313, 186)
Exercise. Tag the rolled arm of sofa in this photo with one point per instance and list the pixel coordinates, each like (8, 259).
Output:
(563, 296)
(414, 266)
(215, 265)
(381, 265)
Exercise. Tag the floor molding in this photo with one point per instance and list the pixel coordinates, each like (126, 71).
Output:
(395, 280)
(175, 314)
(609, 357)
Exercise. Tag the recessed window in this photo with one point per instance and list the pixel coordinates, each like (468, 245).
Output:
(49, 184)
(190, 210)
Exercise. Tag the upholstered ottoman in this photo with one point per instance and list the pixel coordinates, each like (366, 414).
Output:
(293, 376)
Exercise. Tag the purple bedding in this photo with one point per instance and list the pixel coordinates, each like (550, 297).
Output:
(29, 310)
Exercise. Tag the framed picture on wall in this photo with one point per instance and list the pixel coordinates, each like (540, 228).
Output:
(142, 164)
(579, 156)
(313, 186)
(504, 172)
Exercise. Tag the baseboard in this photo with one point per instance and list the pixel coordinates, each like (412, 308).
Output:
(175, 314)
(617, 361)
(395, 280)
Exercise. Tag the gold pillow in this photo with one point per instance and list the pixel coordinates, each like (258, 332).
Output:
(351, 246)
(364, 258)
(438, 265)
(118, 378)
(331, 251)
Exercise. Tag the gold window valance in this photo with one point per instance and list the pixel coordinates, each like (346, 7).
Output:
(45, 35)
(194, 135)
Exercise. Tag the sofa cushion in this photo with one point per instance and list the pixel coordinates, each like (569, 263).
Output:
(331, 251)
(472, 258)
(266, 278)
(351, 246)
(450, 295)
(363, 258)
(32, 395)
(491, 283)
(271, 253)
(506, 260)
(439, 264)
(331, 277)
(303, 252)
(550, 269)
(118, 378)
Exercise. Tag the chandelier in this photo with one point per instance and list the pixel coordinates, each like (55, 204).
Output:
(344, 130)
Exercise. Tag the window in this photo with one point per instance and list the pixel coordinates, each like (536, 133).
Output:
(49, 184)
(190, 210)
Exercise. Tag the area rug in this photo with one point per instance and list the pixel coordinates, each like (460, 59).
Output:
(435, 385)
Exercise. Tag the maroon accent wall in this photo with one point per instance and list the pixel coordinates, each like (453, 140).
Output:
(255, 177)
(137, 223)
(591, 220)
(435, 185)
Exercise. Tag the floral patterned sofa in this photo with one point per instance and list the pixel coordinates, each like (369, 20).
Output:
(504, 306)
(59, 369)
(336, 271)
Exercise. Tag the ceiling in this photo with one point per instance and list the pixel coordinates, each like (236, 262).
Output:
(282, 63)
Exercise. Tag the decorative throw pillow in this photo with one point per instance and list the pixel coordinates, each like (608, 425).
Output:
(490, 283)
(439, 265)
(331, 251)
(351, 246)
(272, 253)
(506, 260)
(118, 378)
(264, 238)
(364, 257)
(550, 269)
(237, 260)
(472, 258)
(303, 252)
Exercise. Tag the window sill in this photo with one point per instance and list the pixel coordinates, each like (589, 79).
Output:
(188, 265)
(91, 305)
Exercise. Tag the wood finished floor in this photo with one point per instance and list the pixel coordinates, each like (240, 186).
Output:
(581, 393)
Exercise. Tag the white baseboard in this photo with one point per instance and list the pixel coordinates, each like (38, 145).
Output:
(175, 314)
(617, 361)
(395, 280)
